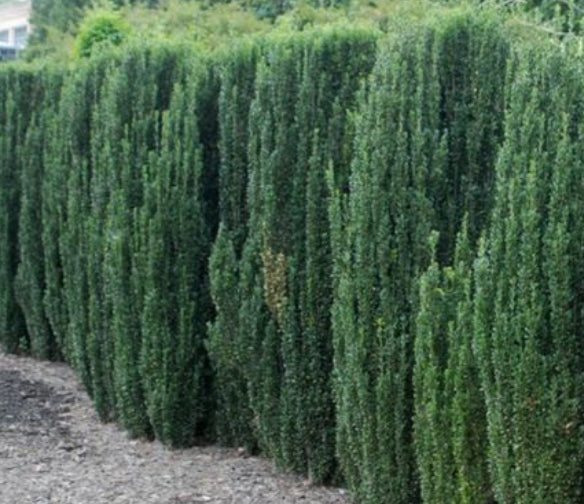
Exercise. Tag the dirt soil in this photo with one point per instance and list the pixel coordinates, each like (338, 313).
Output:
(53, 449)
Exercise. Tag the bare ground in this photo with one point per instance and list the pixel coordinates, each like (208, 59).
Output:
(53, 449)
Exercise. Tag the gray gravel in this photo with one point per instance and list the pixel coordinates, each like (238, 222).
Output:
(53, 449)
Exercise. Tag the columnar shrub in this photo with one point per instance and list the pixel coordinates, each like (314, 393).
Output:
(176, 237)
(58, 135)
(298, 126)
(529, 285)
(426, 141)
(123, 132)
(72, 167)
(450, 418)
(16, 108)
(30, 279)
(132, 128)
(234, 418)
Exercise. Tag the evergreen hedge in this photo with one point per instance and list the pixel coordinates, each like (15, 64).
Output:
(30, 279)
(358, 255)
(16, 110)
(528, 279)
(450, 420)
(426, 141)
(297, 127)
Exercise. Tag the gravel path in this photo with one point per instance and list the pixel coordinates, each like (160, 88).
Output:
(53, 449)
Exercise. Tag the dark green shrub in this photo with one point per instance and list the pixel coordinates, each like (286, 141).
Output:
(78, 262)
(176, 235)
(135, 96)
(30, 279)
(426, 141)
(297, 129)
(16, 111)
(450, 418)
(234, 417)
(528, 286)
(54, 202)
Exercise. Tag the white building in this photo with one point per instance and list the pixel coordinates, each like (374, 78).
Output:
(15, 23)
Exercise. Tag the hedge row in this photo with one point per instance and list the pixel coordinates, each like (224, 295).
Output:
(277, 333)
(426, 143)
(358, 257)
(114, 233)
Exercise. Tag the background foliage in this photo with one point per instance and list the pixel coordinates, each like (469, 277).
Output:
(210, 23)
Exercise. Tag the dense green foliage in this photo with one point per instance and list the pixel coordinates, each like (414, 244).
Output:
(120, 200)
(15, 114)
(65, 15)
(450, 421)
(356, 253)
(445, 119)
(211, 23)
(528, 277)
(297, 128)
(175, 229)
(234, 415)
(273, 245)
(30, 278)
(99, 29)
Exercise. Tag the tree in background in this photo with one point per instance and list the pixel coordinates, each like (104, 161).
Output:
(56, 18)
(98, 29)
(62, 15)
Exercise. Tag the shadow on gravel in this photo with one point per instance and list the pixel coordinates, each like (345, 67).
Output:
(30, 408)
